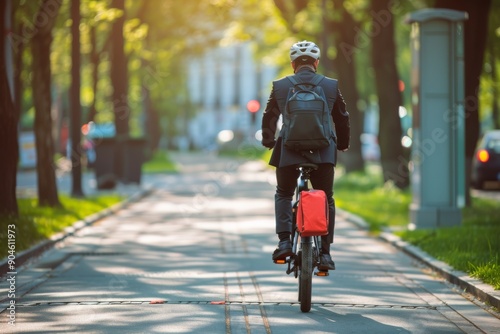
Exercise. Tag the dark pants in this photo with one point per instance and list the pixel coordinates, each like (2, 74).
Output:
(286, 177)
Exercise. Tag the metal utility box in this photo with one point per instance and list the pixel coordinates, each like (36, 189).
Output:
(438, 150)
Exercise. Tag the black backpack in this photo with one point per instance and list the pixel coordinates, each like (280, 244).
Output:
(307, 122)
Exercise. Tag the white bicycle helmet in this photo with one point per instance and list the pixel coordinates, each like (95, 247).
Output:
(304, 48)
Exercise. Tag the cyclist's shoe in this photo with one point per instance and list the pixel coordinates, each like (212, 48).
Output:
(283, 251)
(326, 262)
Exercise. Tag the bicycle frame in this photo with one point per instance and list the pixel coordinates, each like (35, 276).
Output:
(306, 249)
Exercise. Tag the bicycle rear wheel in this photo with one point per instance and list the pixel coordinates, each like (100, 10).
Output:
(305, 276)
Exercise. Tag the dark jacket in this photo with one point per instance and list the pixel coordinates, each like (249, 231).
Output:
(282, 156)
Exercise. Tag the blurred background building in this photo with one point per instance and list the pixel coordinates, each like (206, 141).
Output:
(221, 82)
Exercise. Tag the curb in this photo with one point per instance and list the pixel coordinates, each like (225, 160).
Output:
(484, 292)
(44, 245)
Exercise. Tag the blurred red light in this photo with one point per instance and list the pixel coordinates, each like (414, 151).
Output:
(401, 86)
(85, 129)
(483, 155)
(253, 105)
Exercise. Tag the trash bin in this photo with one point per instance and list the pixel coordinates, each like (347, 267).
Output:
(105, 149)
(133, 158)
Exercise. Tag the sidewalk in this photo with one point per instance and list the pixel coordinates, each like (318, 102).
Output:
(194, 256)
(27, 185)
(475, 287)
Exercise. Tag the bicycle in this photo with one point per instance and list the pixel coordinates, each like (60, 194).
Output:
(306, 249)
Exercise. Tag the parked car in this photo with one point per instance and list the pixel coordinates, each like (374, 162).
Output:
(486, 163)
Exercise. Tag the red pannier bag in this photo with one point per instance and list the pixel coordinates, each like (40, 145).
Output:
(312, 213)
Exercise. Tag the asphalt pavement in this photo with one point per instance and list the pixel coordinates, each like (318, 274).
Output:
(194, 256)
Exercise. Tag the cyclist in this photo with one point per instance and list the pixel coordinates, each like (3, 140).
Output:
(304, 58)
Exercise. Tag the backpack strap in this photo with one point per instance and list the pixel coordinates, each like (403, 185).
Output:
(293, 80)
(315, 81)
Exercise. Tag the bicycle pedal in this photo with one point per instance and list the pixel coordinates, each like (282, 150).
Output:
(280, 261)
(322, 273)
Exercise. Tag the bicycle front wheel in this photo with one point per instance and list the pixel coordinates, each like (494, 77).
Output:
(305, 276)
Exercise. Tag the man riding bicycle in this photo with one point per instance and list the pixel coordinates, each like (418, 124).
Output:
(304, 58)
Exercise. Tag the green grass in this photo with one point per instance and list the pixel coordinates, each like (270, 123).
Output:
(472, 247)
(35, 224)
(381, 206)
(160, 163)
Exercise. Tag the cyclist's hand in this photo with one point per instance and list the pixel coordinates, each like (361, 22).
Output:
(342, 148)
(269, 144)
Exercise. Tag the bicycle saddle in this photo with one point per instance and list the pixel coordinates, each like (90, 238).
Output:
(308, 165)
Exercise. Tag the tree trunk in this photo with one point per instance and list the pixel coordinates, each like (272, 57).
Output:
(475, 35)
(18, 65)
(389, 97)
(345, 66)
(119, 73)
(94, 61)
(119, 80)
(41, 84)
(495, 96)
(75, 125)
(152, 120)
(8, 130)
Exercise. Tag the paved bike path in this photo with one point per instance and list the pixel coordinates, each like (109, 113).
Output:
(195, 257)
